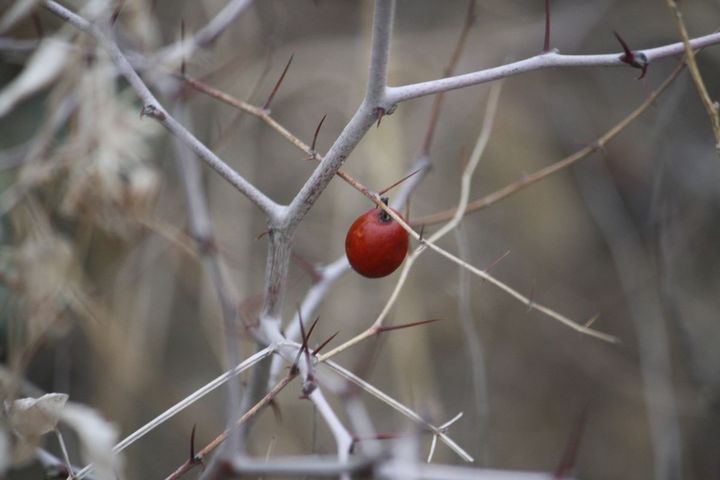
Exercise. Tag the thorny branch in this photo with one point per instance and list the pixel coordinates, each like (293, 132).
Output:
(380, 100)
(566, 162)
(153, 109)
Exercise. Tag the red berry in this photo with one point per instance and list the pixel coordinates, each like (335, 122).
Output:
(376, 244)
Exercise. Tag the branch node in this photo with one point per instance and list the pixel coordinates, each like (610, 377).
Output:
(634, 59)
(150, 110)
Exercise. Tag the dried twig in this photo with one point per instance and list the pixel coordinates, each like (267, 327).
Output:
(710, 106)
(566, 162)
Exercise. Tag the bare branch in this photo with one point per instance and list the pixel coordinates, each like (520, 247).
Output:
(173, 54)
(382, 30)
(710, 106)
(538, 62)
(153, 108)
(380, 395)
(566, 162)
(360, 123)
(183, 404)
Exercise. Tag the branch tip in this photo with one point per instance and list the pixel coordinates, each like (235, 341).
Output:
(380, 330)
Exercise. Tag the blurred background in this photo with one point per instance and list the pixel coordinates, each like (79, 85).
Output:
(102, 296)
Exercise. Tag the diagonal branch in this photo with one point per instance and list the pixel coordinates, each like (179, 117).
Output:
(566, 162)
(710, 106)
(153, 108)
(360, 123)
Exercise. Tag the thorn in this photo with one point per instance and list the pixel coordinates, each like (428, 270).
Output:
(400, 181)
(531, 302)
(261, 235)
(380, 112)
(636, 60)
(546, 43)
(116, 12)
(378, 436)
(322, 345)
(406, 325)
(421, 238)
(152, 111)
(310, 330)
(192, 443)
(266, 106)
(496, 261)
(569, 456)
(182, 46)
(38, 25)
(591, 321)
(317, 131)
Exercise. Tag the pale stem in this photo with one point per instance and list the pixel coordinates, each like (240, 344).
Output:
(538, 62)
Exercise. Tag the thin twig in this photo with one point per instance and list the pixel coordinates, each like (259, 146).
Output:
(153, 108)
(183, 404)
(380, 395)
(217, 441)
(566, 162)
(710, 106)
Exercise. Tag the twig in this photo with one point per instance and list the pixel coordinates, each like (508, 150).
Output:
(634, 266)
(566, 162)
(183, 404)
(153, 108)
(173, 54)
(449, 69)
(710, 106)
(538, 62)
(348, 375)
(546, 40)
(266, 105)
(217, 441)
(215, 269)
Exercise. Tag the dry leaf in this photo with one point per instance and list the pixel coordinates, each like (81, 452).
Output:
(42, 68)
(33, 417)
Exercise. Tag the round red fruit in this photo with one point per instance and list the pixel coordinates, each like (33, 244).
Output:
(376, 244)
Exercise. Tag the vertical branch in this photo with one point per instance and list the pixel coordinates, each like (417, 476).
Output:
(276, 269)
(474, 344)
(546, 43)
(382, 30)
(200, 225)
(371, 108)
